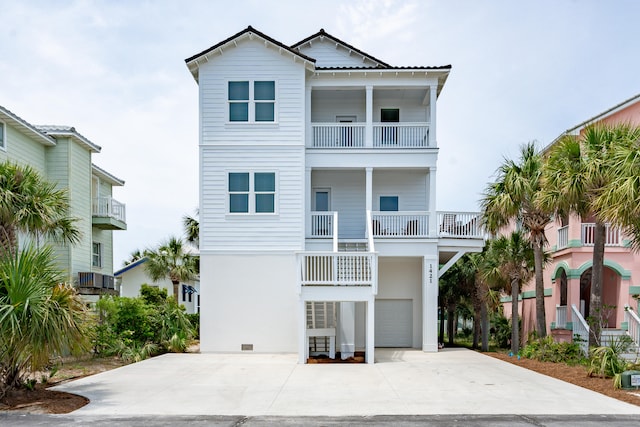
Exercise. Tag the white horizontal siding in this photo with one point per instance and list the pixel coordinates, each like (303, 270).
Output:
(326, 105)
(327, 54)
(410, 187)
(251, 60)
(220, 231)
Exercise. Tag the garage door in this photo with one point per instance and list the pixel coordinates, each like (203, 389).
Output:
(394, 323)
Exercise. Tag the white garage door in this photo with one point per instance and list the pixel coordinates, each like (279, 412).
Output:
(394, 323)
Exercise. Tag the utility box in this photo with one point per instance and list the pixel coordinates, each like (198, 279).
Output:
(630, 380)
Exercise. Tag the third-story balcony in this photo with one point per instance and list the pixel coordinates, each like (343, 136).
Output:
(383, 135)
(613, 236)
(109, 214)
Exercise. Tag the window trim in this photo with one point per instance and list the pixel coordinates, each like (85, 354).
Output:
(97, 245)
(3, 133)
(252, 193)
(251, 103)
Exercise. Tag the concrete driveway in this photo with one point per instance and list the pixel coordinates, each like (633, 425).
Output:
(401, 382)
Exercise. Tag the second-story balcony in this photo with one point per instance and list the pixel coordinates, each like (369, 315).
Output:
(405, 225)
(383, 135)
(613, 236)
(108, 214)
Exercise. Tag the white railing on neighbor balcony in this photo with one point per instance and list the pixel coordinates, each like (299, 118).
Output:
(633, 324)
(580, 329)
(563, 237)
(107, 207)
(612, 235)
(337, 268)
(338, 135)
(561, 316)
(404, 224)
(322, 224)
(401, 135)
(459, 224)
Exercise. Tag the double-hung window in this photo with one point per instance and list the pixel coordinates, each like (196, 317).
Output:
(96, 256)
(252, 192)
(252, 101)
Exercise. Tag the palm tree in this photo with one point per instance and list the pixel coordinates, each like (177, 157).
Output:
(136, 255)
(40, 316)
(619, 203)
(576, 173)
(510, 263)
(31, 205)
(192, 229)
(171, 261)
(514, 197)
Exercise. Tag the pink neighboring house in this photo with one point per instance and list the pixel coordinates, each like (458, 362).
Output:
(567, 279)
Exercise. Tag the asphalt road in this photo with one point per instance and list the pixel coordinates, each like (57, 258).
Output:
(13, 419)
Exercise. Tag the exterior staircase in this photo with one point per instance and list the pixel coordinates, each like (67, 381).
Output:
(612, 336)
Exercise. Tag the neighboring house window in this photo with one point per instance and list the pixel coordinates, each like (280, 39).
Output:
(389, 203)
(2, 136)
(252, 101)
(96, 258)
(252, 192)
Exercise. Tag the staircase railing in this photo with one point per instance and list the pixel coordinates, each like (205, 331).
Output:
(633, 324)
(561, 316)
(580, 329)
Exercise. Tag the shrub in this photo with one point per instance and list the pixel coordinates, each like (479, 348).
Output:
(501, 331)
(194, 318)
(547, 350)
(606, 361)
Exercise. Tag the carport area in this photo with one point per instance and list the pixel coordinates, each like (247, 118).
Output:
(452, 381)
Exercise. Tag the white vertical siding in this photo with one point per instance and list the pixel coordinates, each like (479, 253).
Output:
(281, 231)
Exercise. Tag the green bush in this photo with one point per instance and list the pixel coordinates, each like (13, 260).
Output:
(137, 328)
(606, 361)
(547, 350)
(194, 318)
(501, 330)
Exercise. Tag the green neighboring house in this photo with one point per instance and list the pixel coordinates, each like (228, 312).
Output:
(64, 156)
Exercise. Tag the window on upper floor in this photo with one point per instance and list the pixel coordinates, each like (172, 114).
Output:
(2, 136)
(96, 255)
(252, 101)
(389, 203)
(252, 192)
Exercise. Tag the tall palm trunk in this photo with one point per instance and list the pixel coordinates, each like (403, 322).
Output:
(597, 277)
(541, 316)
(176, 288)
(485, 326)
(441, 332)
(450, 319)
(515, 329)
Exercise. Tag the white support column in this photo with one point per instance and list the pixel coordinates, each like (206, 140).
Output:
(429, 305)
(347, 326)
(368, 130)
(303, 343)
(369, 189)
(433, 92)
(431, 203)
(307, 117)
(370, 349)
(307, 203)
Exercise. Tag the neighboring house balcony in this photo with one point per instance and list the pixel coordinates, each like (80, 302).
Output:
(109, 214)
(613, 237)
(90, 283)
(400, 225)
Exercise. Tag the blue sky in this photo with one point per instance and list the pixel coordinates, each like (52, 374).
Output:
(522, 71)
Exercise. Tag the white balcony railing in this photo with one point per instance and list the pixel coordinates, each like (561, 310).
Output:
(337, 268)
(563, 237)
(459, 224)
(338, 135)
(400, 224)
(322, 224)
(612, 235)
(400, 135)
(385, 135)
(107, 207)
